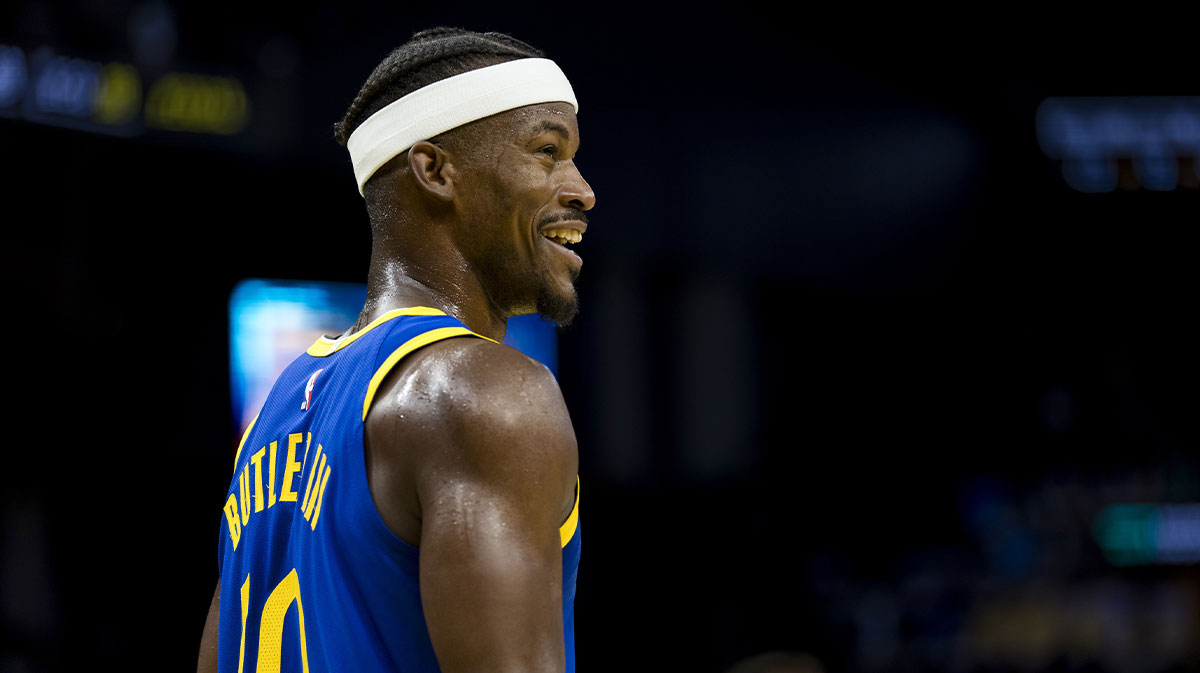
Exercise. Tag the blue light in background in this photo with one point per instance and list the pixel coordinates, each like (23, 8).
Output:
(1178, 534)
(271, 322)
(1089, 135)
(12, 75)
(534, 337)
(66, 86)
(1139, 534)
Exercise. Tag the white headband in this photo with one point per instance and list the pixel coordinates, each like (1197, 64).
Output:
(450, 103)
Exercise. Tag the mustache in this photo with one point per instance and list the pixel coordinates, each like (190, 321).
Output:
(570, 216)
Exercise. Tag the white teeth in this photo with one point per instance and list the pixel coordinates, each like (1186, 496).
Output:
(562, 236)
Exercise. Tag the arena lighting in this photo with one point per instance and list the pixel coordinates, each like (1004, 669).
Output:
(182, 102)
(111, 98)
(1159, 135)
(1142, 534)
(12, 76)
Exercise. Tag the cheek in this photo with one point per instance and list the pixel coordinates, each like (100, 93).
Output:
(509, 199)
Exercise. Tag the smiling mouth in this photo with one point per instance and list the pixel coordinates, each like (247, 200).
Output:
(563, 237)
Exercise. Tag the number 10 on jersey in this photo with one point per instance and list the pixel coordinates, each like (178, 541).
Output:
(270, 628)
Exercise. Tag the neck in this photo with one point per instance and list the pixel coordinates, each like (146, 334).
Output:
(394, 282)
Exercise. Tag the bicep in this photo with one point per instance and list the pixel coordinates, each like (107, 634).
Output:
(473, 443)
(491, 581)
(492, 495)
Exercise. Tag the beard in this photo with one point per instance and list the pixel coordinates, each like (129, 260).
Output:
(535, 289)
(557, 307)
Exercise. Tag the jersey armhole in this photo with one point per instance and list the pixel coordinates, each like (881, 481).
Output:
(567, 530)
(423, 339)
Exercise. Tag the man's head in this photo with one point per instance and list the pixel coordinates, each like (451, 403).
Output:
(502, 185)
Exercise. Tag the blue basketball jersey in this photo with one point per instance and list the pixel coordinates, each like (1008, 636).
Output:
(311, 577)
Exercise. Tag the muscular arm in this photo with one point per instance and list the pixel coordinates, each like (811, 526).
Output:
(478, 450)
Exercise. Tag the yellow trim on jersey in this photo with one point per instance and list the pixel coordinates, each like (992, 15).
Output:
(245, 436)
(567, 530)
(423, 339)
(325, 346)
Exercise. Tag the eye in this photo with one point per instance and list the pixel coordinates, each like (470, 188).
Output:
(550, 150)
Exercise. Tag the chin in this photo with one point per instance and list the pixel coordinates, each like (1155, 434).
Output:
(557, 299)
(557, 308)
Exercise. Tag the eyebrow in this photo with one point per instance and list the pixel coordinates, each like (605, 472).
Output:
(552, 125)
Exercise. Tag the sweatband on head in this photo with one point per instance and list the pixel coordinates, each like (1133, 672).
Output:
(450, 103)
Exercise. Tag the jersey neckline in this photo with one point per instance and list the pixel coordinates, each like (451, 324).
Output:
(325, 346)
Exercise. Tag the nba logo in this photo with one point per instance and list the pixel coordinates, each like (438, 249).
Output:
(308, 391)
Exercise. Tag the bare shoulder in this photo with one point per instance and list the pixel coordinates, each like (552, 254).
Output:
(468, 413)
(471, 389)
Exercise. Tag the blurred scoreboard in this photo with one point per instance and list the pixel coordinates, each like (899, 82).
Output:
(113, 97)
(1157, 136)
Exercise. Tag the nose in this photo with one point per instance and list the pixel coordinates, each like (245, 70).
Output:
(575, 192)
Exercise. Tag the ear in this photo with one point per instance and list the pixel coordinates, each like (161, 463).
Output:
(434, 172)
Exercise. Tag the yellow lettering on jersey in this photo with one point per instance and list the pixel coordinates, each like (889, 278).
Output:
(291, 467)
(271, 471)
(320, 496)
(312, 502)
(244, 487)
(245, 611)
(248, 495)
(313, 473)
(231, 516)
(258, 490)
(270, 637)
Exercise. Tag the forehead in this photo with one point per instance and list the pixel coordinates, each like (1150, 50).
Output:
(539, 117)
(515, 128)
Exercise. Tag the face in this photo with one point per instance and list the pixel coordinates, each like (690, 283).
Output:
(523, 202)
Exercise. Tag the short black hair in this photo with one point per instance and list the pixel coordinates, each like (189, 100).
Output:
(431, 55)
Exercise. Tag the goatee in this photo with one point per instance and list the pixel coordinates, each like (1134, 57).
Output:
(559, 309)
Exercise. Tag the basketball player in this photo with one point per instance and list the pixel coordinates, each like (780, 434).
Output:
(407, 498)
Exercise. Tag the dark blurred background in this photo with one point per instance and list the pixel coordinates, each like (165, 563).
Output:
(887, 352)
